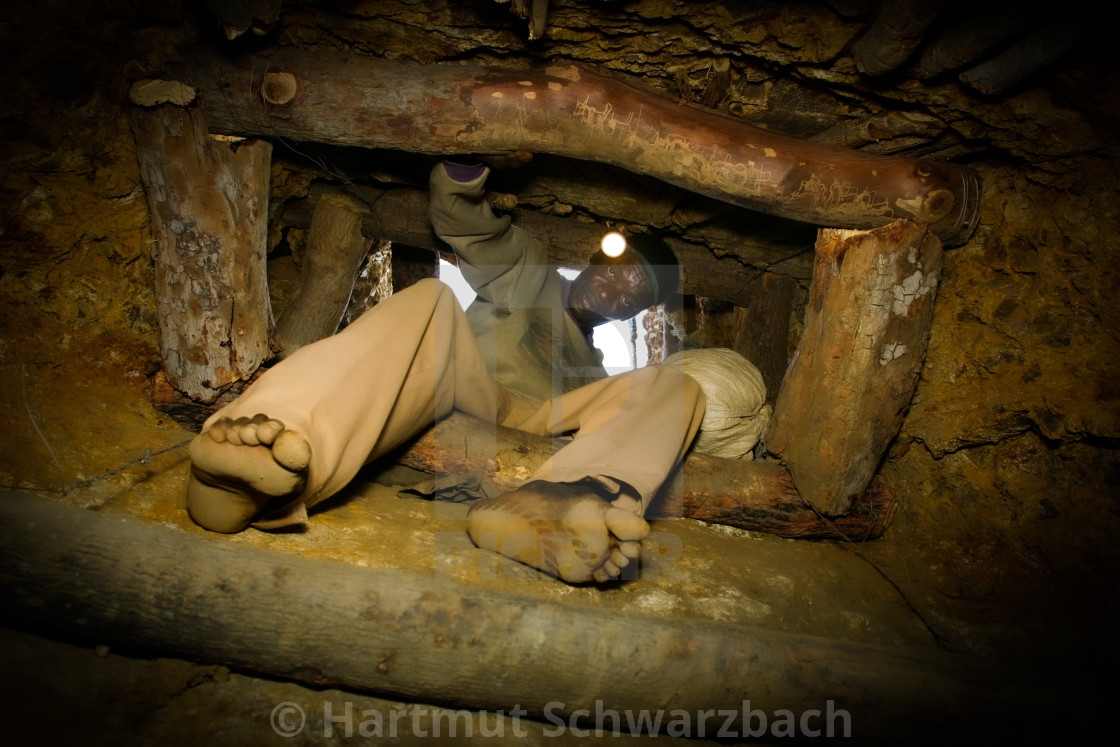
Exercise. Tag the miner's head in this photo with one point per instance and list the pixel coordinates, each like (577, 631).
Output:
(618, 287)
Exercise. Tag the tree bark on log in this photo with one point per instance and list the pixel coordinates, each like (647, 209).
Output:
(334, 253)
(580, 112)
(122, 582)
(208, 199)
(758, 496)
(853, 375)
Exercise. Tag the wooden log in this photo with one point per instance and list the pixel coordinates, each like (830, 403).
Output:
(896, 32)
(401, 216)
(144, 588)
(334, 253)
(208, 199)
(855, 370)
(880, 130)
(968, 41)
(660, 341)
(581, 112)
(762, 328)
(1030, 54)
(396, 215)
(758, 496)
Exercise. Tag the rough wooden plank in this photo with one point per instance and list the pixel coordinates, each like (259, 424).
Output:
(855, 370)
(760, 496)
(208, 199)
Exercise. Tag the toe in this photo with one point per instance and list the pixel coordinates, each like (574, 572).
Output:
(269, 430)
(606, 572)
(233, 432)
(217, 431)
(247, 432)
(291, 451)
(625, 525)
(630, 549)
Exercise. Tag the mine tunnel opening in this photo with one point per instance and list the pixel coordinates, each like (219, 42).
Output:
(754, 267)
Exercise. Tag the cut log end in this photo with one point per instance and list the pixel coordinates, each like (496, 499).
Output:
(151, 93)
(279, 88)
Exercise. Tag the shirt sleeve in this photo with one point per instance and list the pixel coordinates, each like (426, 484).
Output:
(500, 261)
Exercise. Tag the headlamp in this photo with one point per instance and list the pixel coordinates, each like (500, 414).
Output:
(614, 244)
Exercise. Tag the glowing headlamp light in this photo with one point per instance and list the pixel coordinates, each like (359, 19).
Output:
(614, 244)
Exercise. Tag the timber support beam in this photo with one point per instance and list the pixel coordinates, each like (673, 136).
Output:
(855, 370)
(754, 495)
(579, 112)
(141, 587)
(208, 199)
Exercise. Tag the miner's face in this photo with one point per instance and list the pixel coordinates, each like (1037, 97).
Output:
(608, 291)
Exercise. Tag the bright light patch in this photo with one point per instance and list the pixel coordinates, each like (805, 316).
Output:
(450, 274)
(614, 244)
(616, 353)
(611, 338)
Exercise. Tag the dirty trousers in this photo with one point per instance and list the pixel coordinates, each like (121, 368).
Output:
(412, 359)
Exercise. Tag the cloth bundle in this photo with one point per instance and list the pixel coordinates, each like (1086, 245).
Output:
(736, 415)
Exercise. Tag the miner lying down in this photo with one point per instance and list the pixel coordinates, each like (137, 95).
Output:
(520, 356)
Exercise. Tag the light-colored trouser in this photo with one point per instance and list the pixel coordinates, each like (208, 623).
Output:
(412, 359)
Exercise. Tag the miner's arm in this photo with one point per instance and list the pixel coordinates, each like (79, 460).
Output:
(500, 261)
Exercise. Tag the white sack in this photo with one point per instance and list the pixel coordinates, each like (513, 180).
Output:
(736, 415)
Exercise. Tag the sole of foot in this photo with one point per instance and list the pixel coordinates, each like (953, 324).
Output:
(565, 530)
(240, 465)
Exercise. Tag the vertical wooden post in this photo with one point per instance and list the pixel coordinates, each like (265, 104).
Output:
(656, 330)
(335, 250)
(855, 370)
(208, 199)
(762, 334)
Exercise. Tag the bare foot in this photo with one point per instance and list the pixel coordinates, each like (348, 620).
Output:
(565, 530)
(239, 466)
